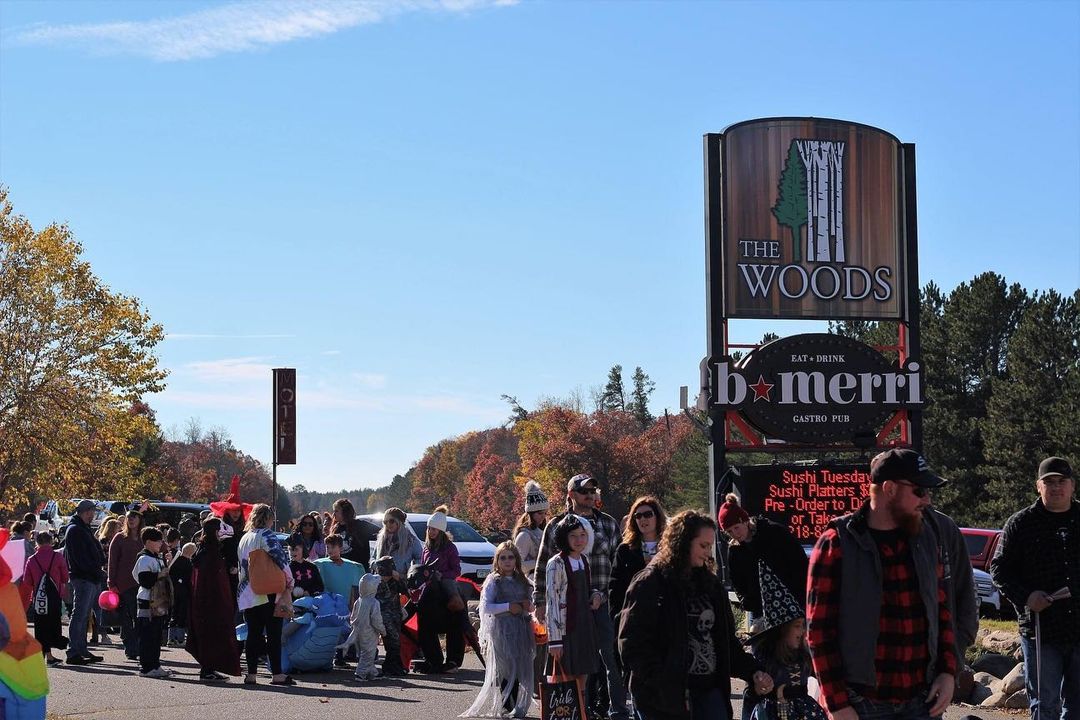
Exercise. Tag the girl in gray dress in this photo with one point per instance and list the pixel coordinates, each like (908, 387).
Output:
(506, 637)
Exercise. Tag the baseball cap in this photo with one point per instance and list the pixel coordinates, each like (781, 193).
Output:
(903, 464)
(580, 482)
(1055, 466)
(85, 505)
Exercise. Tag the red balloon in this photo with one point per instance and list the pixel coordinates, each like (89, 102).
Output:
(109, 600)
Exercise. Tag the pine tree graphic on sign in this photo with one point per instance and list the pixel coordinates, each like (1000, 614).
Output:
(790, 208)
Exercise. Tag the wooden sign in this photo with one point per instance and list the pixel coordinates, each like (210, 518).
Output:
(813, 221)
(284, 416)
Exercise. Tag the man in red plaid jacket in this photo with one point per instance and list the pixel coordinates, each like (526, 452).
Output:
(880, 632)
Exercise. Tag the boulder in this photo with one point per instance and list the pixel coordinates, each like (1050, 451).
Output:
(978, 694)
(984, 678)
(1018, 700)
(964, 684)
(1014, 680)
(1003, 642)
(995, 664)
(997, 699)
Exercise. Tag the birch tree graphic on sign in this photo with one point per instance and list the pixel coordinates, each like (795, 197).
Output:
(823, 161)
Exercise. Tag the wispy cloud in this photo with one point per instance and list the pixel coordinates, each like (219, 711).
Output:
(235, 27)
(375, 381)
(231, 370)
(212, 336)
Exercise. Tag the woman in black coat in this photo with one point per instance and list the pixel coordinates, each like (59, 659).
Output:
(754, 539)
(641, 539)
(677, 635)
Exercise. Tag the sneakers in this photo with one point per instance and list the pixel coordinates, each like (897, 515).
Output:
(86, 659)
(213, 677)
(155, 673)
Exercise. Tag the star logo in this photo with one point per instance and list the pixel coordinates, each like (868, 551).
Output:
(761, 389)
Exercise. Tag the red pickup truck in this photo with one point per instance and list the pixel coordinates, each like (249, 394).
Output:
(982, 544)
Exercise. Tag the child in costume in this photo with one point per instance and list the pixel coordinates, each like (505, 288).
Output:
(572, 643)
(45, 577)
(24, 682)
(154, 600)
(307, 582)
(780, 646)
(389, 597)
(367, 626)
(506, 636)
(180, 573)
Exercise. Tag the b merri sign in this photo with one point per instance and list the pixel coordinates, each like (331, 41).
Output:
(815, 388)
(813, 220)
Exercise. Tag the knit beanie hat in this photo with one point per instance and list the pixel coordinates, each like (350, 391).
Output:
(438, 518)
(535, 499)
(394, 513)
(731, 513)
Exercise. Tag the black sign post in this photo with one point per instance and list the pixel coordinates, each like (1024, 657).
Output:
(284, 421)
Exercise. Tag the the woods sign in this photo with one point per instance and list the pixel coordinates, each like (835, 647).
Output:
(812, 220)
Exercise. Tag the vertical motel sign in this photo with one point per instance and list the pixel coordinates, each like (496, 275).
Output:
(284, 416)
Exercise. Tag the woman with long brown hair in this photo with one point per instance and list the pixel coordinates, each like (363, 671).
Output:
(106, 533)
(123, 551)
(640, 541)
(677, 636)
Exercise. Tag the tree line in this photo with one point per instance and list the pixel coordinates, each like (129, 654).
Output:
(1002, 382)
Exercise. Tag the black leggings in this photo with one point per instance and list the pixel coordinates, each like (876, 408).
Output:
(260, 619)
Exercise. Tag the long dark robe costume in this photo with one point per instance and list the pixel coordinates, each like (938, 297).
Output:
(211, 638)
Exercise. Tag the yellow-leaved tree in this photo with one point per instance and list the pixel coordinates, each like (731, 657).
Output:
(74, 357)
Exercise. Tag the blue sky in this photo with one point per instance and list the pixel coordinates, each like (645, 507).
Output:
(422, 206)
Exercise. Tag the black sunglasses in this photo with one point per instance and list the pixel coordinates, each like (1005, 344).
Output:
(644, 515)
(586, 491)
(307, 524)
(917, 490)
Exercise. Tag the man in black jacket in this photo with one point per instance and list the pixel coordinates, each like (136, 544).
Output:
(86, 564)
(1037, 560)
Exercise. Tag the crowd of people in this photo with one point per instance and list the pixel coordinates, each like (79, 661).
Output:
(872, 625)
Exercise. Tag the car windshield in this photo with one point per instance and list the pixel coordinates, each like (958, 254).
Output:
(461, 532)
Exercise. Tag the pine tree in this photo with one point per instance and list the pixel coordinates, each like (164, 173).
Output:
(639, 398)
(614, 396)
(790, 209)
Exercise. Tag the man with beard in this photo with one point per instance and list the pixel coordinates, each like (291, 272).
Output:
(881, 634)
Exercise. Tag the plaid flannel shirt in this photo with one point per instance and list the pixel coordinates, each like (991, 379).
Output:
(901, 654)
(605, 542)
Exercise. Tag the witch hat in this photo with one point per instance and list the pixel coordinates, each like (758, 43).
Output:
(232, 501)
(778, 604)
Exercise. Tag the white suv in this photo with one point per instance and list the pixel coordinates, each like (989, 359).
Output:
(476, 552)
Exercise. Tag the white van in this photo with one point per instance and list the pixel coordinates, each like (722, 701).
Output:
(475, 551)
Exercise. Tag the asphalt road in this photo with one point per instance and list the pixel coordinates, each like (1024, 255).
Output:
(112, 690)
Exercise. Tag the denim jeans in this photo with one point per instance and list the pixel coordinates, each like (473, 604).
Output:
(1058, 694)
(605, 637)
(708, 704)
(915, 709)
(84, 600)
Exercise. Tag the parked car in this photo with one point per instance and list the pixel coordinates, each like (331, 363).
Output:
(990, 599)
(982, 544)
(476, 552)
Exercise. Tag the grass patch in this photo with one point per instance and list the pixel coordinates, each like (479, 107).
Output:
(1006, 625)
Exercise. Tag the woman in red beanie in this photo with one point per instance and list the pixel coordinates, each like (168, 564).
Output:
(754, 539)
